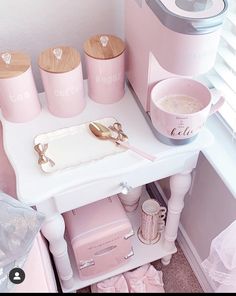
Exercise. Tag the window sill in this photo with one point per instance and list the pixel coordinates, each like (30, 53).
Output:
(222, 153)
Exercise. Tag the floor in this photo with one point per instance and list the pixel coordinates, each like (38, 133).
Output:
(177, 276)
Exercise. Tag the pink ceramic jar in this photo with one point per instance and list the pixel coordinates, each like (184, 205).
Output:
(18, 94)
(61, 72)
(105, 64)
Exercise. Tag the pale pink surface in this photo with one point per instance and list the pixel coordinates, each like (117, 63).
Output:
(106, 79)
(7, 174)
(144, 279)
(64, 92)
(39, 274)
(19, 98)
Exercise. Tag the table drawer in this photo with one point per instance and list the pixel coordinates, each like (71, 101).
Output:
(99, 189)
(95, 190)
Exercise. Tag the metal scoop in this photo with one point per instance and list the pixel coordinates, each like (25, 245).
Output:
(104, 133)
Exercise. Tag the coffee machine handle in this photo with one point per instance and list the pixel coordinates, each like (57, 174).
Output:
(217, 105)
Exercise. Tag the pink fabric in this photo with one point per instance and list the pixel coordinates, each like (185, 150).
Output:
(7, 175)
(220, 265)
(116, 284)
(145, 279)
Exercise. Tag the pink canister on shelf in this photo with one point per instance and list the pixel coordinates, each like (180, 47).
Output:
(61, 72)
(18, 94)
(105, 64)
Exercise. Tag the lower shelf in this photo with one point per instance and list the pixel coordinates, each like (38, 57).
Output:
(142, 253)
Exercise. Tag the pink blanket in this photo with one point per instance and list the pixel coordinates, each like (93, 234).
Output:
(116, 284)
(145, 279)
(142, 279)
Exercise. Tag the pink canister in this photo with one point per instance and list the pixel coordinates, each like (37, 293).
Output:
(61, 72)
(18, 94)
(105, 63)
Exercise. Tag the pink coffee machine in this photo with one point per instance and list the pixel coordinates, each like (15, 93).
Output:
(170, 38)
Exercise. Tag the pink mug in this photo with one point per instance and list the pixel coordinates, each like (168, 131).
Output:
(180, 107)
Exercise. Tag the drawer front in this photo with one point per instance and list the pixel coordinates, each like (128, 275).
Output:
(85, 194)
(99, 189)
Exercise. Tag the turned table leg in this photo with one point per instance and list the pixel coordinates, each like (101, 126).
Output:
(53, 229)
(179, 186)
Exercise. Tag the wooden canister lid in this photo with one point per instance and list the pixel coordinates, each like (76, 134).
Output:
(104, 47)
(59, 59)
(13, 64)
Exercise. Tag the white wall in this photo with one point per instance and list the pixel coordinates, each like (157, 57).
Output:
(34, 25)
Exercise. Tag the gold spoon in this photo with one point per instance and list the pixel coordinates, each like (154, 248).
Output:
(102, 132)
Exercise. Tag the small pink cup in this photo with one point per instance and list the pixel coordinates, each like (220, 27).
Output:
(18, 94)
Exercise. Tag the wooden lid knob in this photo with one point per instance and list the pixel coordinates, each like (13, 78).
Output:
(13, 63)
(59, 59)
(104, 46)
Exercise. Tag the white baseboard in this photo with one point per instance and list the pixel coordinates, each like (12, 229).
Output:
(193, 259)
(190, 253)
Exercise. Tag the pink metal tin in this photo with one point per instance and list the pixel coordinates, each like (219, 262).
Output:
(63, 81)
(18, 95)
(99, 234)
(105, 66)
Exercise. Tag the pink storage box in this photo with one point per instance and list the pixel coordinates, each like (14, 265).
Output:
(99, 234)
(105, 64)
(39, 274)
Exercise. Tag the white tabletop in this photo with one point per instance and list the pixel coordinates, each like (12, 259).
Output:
(35, 186)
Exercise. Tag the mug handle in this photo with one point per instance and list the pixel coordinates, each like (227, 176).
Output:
(217, 105)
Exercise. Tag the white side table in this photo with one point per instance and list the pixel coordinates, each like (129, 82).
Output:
(54, 194)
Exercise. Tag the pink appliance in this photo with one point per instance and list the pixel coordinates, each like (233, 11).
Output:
(100, 236)
(170, 39)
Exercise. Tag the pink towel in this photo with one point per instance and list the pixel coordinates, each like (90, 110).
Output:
(145, 279)
(115, 284)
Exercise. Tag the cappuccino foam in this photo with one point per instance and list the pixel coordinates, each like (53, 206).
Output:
(180, 104)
